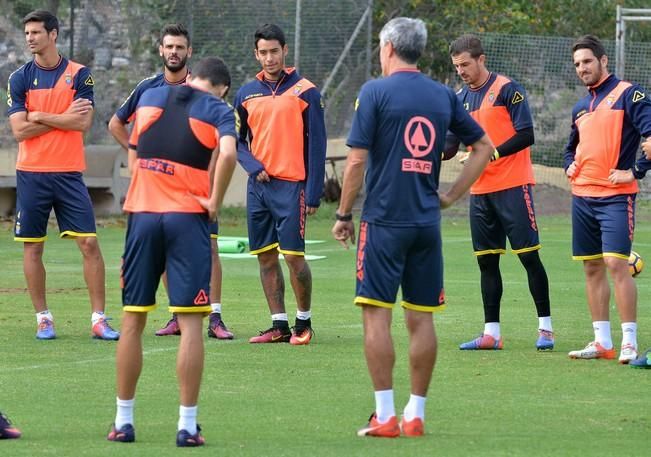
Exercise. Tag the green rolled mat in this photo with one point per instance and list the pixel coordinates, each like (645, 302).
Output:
(231, 246)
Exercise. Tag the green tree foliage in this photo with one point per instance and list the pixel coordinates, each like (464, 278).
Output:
(446, 19)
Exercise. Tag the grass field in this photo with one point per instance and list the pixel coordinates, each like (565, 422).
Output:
(278, 400)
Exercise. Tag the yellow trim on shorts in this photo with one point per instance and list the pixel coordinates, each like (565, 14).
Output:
(615, 254)
(31, 240)
(523, 250)
(490, 251)
(264, 249)
(359, 301)
(587, 257)
(213, 236)
(71, 234)
(189, 309)
(424, 309)
(298, 253)
(139, 309)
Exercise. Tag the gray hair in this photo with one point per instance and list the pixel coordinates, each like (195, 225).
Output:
(408, 37)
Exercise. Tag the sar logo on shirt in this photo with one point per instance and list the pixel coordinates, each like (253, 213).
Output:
(517, 98)
(89, 81)
(637, 96)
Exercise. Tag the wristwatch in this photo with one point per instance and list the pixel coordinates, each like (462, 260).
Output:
(344, 217)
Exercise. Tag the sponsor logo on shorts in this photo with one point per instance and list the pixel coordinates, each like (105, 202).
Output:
(631, 218)
(301, 221)
(361, 246)
(529, 203)
(201, 298)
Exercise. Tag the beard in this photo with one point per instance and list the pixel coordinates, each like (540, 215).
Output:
(175, 67)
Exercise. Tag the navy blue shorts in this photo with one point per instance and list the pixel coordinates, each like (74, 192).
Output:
(38, 193)
(178, 243)
(602, 226)
(214, 230)
(498, 215)
(276, 216)
(407, 257)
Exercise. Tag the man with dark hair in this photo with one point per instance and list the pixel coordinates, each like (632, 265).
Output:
(179, 132)
(175, 49)
(600, 162)
(501, 200)
(399, 130)
(283, 145)
(50, 107)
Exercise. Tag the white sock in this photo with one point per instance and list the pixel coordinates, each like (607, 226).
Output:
(545, 323)
(602, 334)
(96, 317)
(492, 329)
(124, 413)
(415, 408)
(303, 315)
(216, 307)
(44, 315)
(280, 317)
(188, 419)
(629, 334)
(384, 407)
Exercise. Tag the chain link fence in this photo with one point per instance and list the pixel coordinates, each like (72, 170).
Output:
(330, 42)
(543, 65)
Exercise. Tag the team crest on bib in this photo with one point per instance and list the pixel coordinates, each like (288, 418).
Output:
(491, 96)
(610, 100)
(297, 89)
(68, 79)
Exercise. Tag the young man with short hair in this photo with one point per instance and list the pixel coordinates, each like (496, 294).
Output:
(175, 49)
(283, 147)
(50, 107)
(179, 131)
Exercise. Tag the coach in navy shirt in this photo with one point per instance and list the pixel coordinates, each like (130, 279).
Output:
(396, 141)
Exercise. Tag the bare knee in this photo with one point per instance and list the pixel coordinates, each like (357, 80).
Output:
(89, 246)
(33, 251)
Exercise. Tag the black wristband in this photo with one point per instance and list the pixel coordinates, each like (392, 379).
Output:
(344, 217)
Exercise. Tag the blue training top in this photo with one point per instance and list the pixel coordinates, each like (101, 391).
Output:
(402, 121)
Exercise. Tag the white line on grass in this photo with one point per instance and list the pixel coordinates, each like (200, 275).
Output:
(78, 362)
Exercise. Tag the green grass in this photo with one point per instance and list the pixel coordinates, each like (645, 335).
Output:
(277, 400)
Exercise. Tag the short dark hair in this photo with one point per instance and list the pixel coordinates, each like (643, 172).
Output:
(269, 32)
(589, 42)
(467, 43)
(177, 29)
(214, 70)
(49, 20)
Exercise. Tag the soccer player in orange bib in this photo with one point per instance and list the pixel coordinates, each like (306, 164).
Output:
(501, 200)
(179, 132)
(600, 162)
(175, 49)
(50, 107)
(283, 147)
